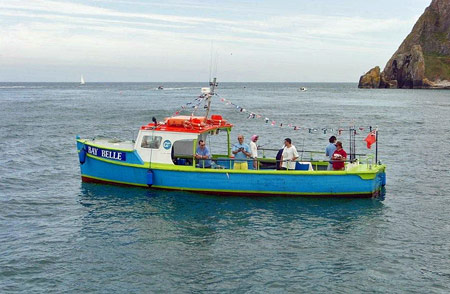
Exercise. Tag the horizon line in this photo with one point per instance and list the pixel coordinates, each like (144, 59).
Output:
(241, 82)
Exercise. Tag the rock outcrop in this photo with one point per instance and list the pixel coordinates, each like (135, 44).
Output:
(371, 79)
(423, 59)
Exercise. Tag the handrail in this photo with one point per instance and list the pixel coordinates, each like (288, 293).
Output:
(273, 159)
(308, 151)
(277, 162)
(370, 158)
(367, 159)
(265, 159)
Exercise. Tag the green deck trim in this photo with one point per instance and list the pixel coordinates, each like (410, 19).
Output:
(219, 156)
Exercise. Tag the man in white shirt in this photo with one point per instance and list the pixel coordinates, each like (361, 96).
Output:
(254, 150)
(289, 155)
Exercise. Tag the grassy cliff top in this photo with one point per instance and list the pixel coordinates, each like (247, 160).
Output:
(437, 67)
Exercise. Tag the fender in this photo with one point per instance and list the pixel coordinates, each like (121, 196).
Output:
(149, 178)
(82, 154)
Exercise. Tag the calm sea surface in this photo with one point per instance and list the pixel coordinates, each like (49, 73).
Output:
(58, 235)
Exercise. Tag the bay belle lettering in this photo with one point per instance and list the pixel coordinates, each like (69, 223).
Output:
(109, 154)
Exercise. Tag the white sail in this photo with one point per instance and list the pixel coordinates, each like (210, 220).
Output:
(82, 80)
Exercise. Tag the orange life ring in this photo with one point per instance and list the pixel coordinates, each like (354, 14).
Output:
(187, 125)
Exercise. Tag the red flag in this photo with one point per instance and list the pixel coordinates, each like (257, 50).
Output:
(370, 139)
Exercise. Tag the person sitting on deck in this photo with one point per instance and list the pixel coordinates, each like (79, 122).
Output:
(241, 151)
(203, 155)
(289, 155)
(339, 157)
(329, 150)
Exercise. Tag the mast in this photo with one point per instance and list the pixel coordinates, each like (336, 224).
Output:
(212, 86)
(376, 146)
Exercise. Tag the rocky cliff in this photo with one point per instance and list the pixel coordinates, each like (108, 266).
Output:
(423, 59)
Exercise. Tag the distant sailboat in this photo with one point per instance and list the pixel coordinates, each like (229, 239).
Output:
(82, 82)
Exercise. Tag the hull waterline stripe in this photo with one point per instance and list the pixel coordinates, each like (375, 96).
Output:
(231, 192)
(261, 192)
(101, 180)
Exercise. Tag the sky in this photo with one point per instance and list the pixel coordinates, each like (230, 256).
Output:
(188, 41)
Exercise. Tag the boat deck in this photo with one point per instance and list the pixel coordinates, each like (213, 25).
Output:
(111, 143)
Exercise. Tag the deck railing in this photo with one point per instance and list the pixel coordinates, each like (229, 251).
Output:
(226, 163)
(306, 157)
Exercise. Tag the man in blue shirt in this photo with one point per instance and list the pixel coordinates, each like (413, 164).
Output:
(203, 155)
(329, 150)
(241, 151)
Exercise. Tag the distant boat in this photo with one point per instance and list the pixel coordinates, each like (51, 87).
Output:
(303, 89)
(82, 82)
(160, 88)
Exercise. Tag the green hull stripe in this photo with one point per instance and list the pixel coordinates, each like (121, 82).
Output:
(258, 192)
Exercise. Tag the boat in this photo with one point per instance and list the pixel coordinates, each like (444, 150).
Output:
(303, 89)
(162, 157)
(82, 82)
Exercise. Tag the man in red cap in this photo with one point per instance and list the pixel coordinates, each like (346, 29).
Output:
(339, 157)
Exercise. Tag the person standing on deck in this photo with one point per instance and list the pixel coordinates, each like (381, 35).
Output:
(339, 157)
(289, 155)
(241, 151)
(329, 150)
(254, 150)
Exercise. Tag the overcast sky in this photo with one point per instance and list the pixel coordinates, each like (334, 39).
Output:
(171, 40)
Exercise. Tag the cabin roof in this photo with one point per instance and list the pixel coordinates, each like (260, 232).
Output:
(189, 124)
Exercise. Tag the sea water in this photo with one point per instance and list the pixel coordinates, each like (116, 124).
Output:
(58, 235)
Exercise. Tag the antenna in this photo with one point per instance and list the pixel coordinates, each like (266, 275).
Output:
(216, 62)
(212, 86)
(211, 61)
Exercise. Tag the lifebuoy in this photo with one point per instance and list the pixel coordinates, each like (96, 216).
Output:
(187, 124)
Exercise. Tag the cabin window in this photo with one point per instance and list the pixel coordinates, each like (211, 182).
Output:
(152, 142)
(182, 152)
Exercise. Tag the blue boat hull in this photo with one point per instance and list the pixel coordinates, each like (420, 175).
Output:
(302, 183)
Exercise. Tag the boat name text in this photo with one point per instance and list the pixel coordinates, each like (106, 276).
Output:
(109, 154)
